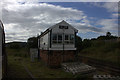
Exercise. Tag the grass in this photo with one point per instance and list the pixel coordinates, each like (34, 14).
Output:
(38, 69)
(15, 69)
(22, 52)
(107, 51)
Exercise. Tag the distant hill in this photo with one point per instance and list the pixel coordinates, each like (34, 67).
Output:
(16, 44)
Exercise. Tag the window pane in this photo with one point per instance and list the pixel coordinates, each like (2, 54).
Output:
(66, 37)
(59, 37)
(54, 37)
(71, 37)
(66, 27)
(63, 27)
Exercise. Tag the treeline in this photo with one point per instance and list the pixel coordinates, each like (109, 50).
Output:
(105, 48)
(16, 45)
(31, 43)
(86, 43)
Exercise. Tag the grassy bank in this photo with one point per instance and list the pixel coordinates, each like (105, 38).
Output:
(108, 51)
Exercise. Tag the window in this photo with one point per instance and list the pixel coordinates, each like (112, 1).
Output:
(66, 27)
(71, 38)
(67, 39)
(59, 38)
(54, 38)
(63, 27)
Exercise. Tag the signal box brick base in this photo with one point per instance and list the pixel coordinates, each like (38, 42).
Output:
(54, 58)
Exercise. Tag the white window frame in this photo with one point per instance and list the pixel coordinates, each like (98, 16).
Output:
(69, 41)
(57, 41)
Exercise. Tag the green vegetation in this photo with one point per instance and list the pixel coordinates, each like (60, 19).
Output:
(40, 70)
(78, 43)
(32, 42)
(21, 52)
(109, 51)
(16, 45)
(105, 48)
(17, 58)
(15, 68)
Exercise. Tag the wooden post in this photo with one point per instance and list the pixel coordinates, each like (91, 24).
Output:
(38, 48)
(63, 44)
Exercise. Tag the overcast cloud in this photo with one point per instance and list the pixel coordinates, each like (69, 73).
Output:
(22, 21)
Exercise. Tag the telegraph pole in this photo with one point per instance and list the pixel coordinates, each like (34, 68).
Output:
(38, 47)
(63, 44)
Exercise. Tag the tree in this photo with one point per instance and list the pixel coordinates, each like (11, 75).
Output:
(15, 46)
(93, 39)
(108, 34)
(32, 42)
(107, 37)
(86, 43)
(78, 43)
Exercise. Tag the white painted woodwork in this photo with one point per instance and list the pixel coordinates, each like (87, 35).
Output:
(0, 51)
(0, 40)
(45, 40)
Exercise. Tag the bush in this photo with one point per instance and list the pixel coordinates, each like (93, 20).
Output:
(14, 46)
(86, 43)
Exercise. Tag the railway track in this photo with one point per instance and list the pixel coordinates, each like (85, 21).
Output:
(109, 67)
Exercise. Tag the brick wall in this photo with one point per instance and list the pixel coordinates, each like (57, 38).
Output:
(69, 56)
(44, 56)
(55, 58)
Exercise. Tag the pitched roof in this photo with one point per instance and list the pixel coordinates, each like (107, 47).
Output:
(1, 25)
(63, 22)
